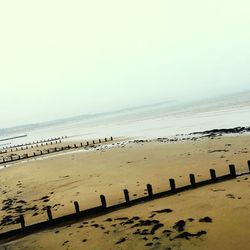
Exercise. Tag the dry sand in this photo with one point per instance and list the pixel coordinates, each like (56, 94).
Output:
(212, 217)
(60, 179)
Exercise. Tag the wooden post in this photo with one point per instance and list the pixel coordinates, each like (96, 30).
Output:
(248, 165)
(87, 143)
(172, 185)
(150, 190)
(106, 140)
(232, 171)
(49, 213)
(103, 201)
(111, 138)
(93, 142)
(192, 180)
(34, 153)
(81, 144)
(100, 140)
(126, 195)
(77, 208)
(22, 221)
(213, 174)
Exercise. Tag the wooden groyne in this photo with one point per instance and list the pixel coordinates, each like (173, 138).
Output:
(26, 145)
(12, 138)
(103, 208)
(14, 158)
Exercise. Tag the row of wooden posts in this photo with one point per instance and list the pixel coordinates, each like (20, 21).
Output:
(25, 145)
(150, 195)
(52, 150)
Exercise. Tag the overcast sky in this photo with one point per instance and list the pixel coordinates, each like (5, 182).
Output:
(62, 58)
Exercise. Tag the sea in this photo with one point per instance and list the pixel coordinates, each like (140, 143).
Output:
(163, 119)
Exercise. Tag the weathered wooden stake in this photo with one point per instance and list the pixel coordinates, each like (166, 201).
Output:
(49, 213)
(111, 138)
(22, 221)
(212, 174)
(81, 144)
(248, 165)
(77, 208)
(232, 171)
(106, 140)
(126, 195)
(172, 185)
(150, 190)
(192, 180)
(103, 201)
(93, 142)
(87, 143)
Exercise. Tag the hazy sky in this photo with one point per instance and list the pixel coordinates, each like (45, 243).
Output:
(61, 58)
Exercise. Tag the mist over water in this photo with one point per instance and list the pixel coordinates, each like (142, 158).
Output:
(159, 120)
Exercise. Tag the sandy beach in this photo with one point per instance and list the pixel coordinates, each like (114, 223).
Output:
(60, 179)
(125, 125)
(214, 217)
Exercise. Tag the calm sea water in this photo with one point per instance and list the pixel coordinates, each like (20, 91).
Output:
(160, 120)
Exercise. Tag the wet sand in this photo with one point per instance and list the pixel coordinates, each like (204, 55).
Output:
(59, 180)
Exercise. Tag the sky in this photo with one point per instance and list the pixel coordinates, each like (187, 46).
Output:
(63, 58)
